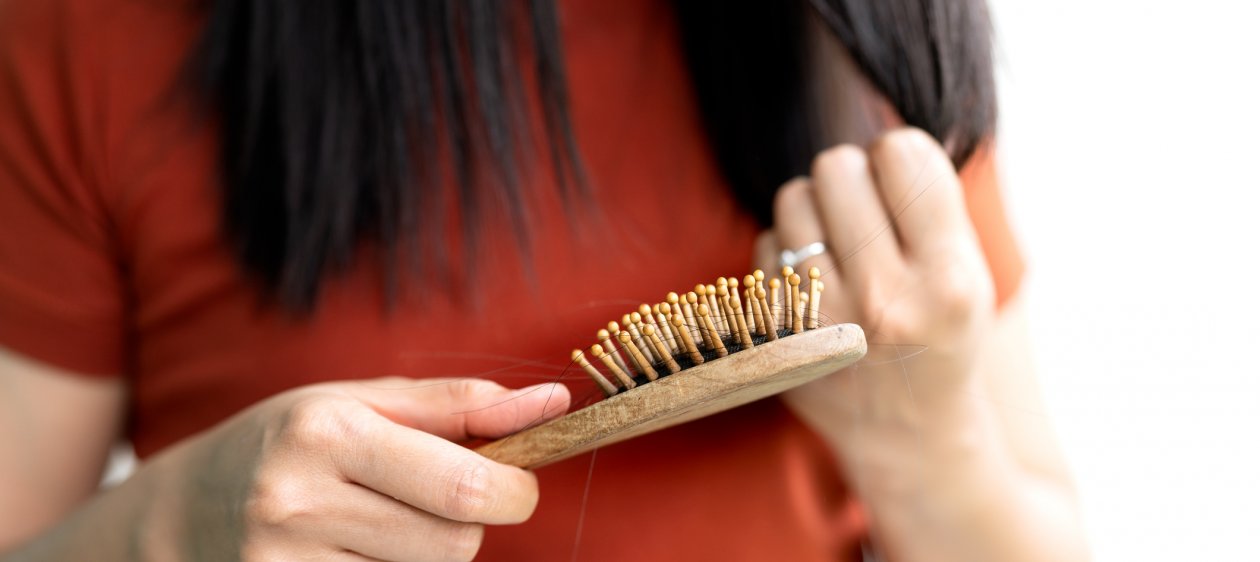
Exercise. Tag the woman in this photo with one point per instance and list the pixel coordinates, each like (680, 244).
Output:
(223, 221)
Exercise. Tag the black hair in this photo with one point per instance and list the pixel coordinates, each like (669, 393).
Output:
(751, 64)
(340, 120)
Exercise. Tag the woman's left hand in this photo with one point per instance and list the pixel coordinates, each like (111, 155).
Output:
(904, 263)
(942, 475)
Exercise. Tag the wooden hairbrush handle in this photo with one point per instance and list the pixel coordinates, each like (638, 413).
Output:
(702, 390)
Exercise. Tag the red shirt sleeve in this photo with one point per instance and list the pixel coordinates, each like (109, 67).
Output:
(988, 214)
(61, 278)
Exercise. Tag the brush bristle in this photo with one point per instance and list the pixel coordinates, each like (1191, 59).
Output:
(695, 327)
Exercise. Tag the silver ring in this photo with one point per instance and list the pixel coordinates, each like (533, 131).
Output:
(792, 258)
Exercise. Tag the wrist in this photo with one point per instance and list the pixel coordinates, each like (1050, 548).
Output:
(943, 444)
(163, 488)
(154, 494)
(123, 523)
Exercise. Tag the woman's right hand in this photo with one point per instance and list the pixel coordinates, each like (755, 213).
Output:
(349, 471)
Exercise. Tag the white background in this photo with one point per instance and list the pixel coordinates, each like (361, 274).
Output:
(1129, 139)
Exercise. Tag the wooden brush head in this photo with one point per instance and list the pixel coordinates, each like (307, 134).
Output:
(681, 361)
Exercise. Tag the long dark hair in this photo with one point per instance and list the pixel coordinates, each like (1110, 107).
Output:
(751, 67)
(340, 120)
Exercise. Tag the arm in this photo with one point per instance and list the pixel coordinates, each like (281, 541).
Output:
(946, 470)
(979, 477)
(336, 471)
(56, 429)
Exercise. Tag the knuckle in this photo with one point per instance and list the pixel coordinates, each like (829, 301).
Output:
(321, 422)
(840, 159)
(872, 302)
(792, 195)
(278, 501)
(898, 327)
(888, 315)
(468, 496)
(463, 541)
(959, 292)
(462, 390)
(874, 311)
(904, 142)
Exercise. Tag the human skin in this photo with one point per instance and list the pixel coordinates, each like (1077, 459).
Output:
(367, 470)
(944, 472)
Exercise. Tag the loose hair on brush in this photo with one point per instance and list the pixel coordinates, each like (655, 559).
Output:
(340, 121)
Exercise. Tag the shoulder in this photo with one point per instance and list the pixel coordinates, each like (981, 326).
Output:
(77, 76)
(91, 40)
(36, 16)
(84, 23)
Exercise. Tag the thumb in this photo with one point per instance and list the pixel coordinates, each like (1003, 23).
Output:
(461, 409)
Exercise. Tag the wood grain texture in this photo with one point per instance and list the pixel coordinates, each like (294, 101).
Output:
(706, 389)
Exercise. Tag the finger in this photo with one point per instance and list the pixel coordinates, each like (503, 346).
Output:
(433, 474)
(766, 252)
(350, 556)
(461, 409)
(921, 190)
(858, 228)
(381, 528)
(797, 224)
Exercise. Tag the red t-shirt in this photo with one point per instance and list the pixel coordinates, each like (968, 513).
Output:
(112, 264)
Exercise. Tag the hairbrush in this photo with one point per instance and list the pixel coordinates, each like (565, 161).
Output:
(712, 349)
